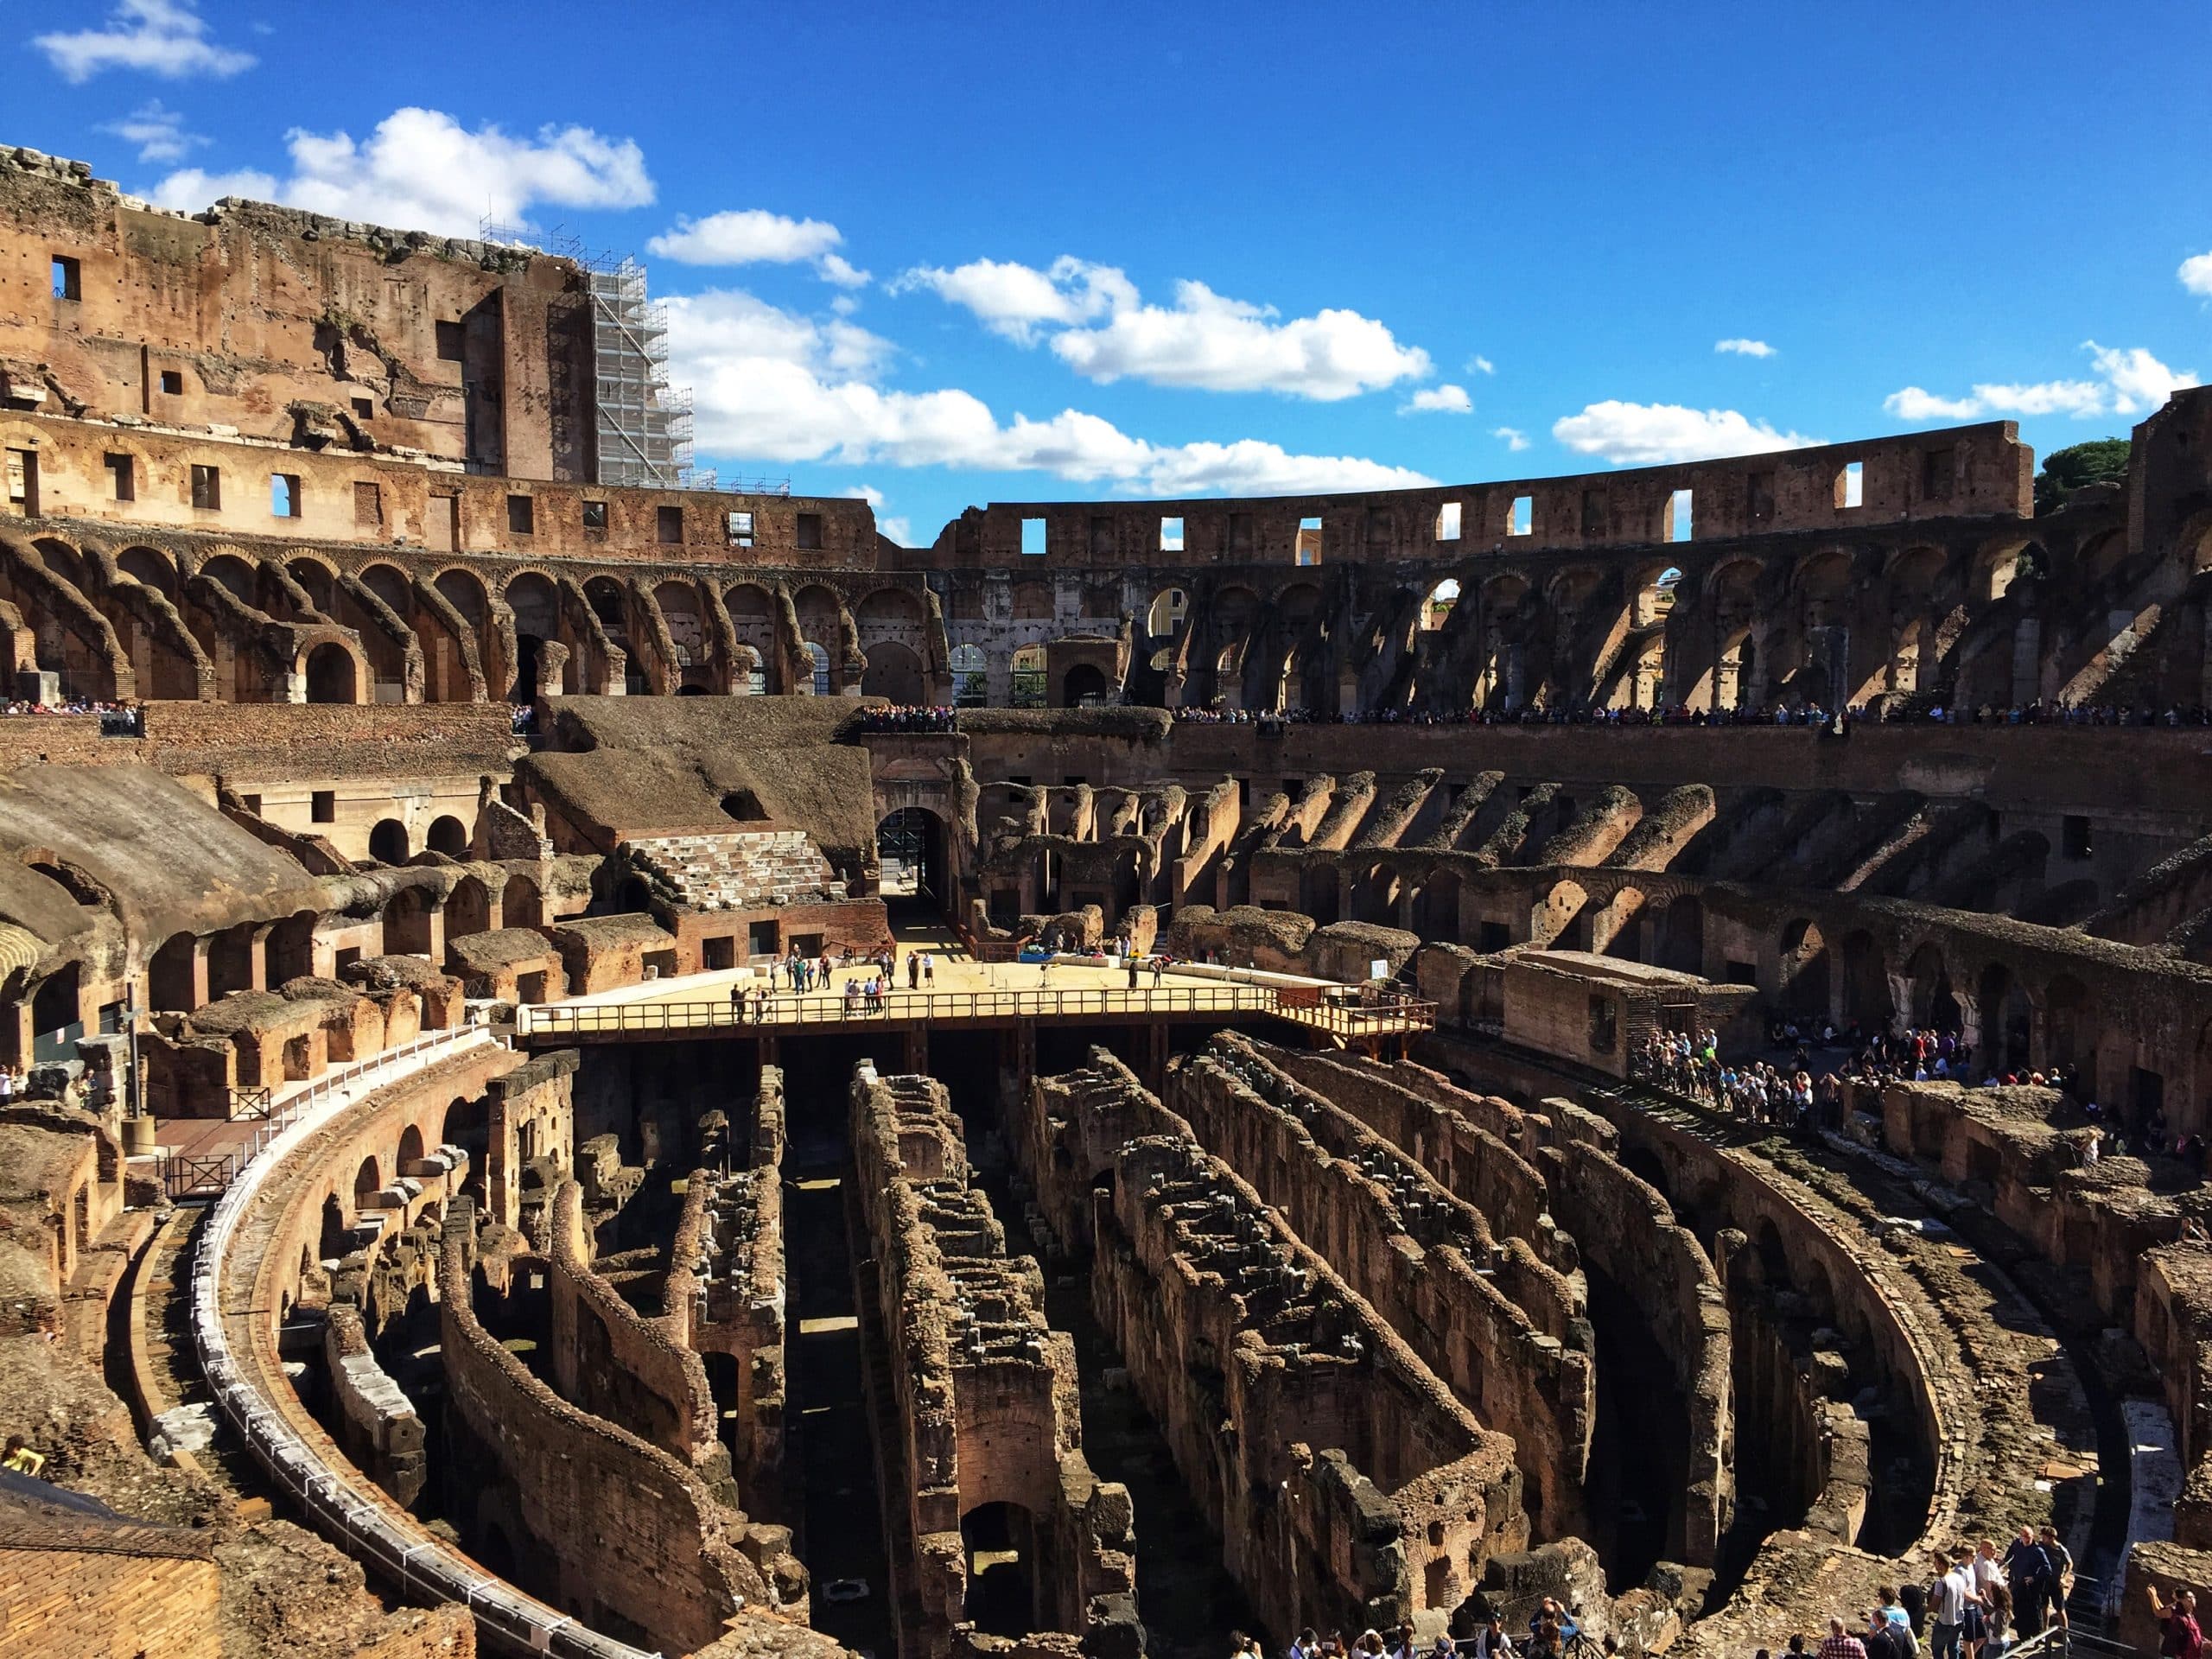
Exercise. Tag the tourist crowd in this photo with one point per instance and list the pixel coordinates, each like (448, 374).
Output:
(2046, 712)
(900, 717)
(1552, 1633)
(1977, 1603)
(871, 978)
(116, 719)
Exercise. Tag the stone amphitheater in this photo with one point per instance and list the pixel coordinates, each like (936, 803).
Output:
(603, 1070)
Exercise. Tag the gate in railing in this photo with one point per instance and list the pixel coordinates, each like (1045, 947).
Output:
(181, 1176)
(250, 1103)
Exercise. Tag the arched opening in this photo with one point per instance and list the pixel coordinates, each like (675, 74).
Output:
(331, 1243)
(234, 576)
(367, 1179)
(1804, 970)
(1865, 983)
(468, 1125)
(894, 671)
(331, 677)
(80, 887)
(1374, 896)
(536, 609)
(1934, 1007)
(388, 841)
(971, 680)
(1084, 687)
(818, 674)
(144, 564)
(909, 850)
(1029, 677)
(407, 924)
(57, 1016)
(2063, 1002)
(743, 806)
(230, 960)
(1681, 936)
(170, 976)
(410, 1149)
(999, 1542)
(289, 949)
(469, 908)
(1165, 614)
(521, 903)
(1318, 892)
(2005, 1020)
(1436, 608)
(448, 835)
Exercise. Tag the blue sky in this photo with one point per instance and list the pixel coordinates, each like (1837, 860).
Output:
(947, 254)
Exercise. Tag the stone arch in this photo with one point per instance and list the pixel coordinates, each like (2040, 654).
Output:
(1085, 685)
(390, 583)
(235, 576)
(1166, 611)
(1437, 605)
(521, 903)
(469, 908)
(368, 1178)
(1865, 983)
(410, 1147)
(2004, 1020)
(1436, 910)
(894, 671)
(971, 684)
(388, 841)
(1562, 918)
(150, 567)
(1320, 891)
(448, 835)
(407, 919)
(1927, 978)
(818, 681)
(1804, 969)
(535, 604)
(332, 675)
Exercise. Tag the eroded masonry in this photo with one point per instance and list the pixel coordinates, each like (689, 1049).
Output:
(602, 1067)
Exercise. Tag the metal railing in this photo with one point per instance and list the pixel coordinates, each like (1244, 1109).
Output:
(789, 1010)
(416, 1563)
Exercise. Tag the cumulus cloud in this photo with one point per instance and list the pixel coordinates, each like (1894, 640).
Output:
(1648, 435)
(1514, 439)
(1741, 347)
(2196, 274)
(167, 38)
(2127, 381)
(421, 170)
(1018, 301)
(1480, 365)
(1446, 399)
(752, 236)
(773, 385)
(899, 529)
(1100, 327)
(157, 131)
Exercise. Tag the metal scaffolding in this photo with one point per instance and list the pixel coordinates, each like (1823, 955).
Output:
(642, 425)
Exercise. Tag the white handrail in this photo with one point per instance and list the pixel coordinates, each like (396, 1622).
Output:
(326, 1493)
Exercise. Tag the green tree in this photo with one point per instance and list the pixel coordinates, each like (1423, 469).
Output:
(2102, 461)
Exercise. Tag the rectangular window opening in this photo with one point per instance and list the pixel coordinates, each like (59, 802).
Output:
(1447, 522)
(173, 383)
(522, 517)
(2076, 834)
(1308, 548)
(1850, 486)
(69, 279)
(667, 526)
(1678, 516)
(741, 529)
(22, 481)
(1170, 535)
(322, 806)
(206, 487)
(449, 339)
(283, 495)
(368, 505)
(810, 533)
(596, 516)
(123, 477)
(1522, 519)
(364, 409)
(1033, 537)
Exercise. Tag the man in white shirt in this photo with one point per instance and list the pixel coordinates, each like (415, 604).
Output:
(1947, 1612)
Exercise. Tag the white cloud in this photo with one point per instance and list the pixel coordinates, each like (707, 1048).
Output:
(1741, 347)
(752, 236)
(1516, 440)
(1446, 399)
(167, 38)
(2196, 274)
(1015, 300)
(1217, 344)
(158, 132)
(2129, 382)
(193, 188)
(1100, 327)
(421, 170)
(1480, 365)
(771, 385)
(1648, 435)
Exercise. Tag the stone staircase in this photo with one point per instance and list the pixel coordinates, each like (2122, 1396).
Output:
(740, 872)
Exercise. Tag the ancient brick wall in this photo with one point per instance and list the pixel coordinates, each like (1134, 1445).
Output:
(105, 1599)
(625, 1529)
(1426, 1260)
(744, 1310)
